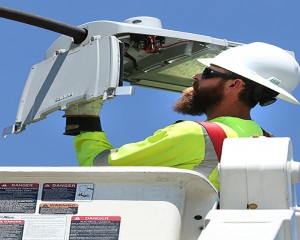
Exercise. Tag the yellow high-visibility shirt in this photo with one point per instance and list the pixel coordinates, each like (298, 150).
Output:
(180, 145)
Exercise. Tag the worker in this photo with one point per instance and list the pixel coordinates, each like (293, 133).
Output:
(232, 84)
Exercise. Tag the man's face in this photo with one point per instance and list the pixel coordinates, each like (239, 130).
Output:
(203, 96)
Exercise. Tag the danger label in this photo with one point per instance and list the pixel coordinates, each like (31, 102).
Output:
(19, 185)
(36, 227)
(18, 197)
(59, 192)
(95, 227)
(58, 208)
(11, 229)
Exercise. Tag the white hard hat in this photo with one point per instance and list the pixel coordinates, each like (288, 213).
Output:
(263, 63)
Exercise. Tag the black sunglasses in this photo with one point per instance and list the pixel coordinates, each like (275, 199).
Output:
(210, 73)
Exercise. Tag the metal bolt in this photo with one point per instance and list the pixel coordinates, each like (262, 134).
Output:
(252, 206)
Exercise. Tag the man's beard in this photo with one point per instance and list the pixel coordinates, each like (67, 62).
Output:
(198, 103)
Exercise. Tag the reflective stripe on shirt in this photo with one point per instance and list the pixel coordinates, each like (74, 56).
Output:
(206, 167)
(102, 158)
(210, 161)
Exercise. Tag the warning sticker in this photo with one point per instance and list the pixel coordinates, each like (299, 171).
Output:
(58, 208)
(59, 192)
(18, 197)
(33, 227)
(67, 192)
(11, 229)
(95, 227)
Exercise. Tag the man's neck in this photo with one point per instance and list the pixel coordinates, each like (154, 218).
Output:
(239, 111)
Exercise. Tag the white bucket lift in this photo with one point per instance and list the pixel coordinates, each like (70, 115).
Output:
(257, 199)
(258, 196)
(129, 203)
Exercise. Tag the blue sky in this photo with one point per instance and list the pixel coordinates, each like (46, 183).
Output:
(132, 118)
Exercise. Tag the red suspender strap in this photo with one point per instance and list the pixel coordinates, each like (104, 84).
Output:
(217, 136)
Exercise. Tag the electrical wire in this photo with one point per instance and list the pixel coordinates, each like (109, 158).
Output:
(152, 47)
(78, 34)
(173, 44)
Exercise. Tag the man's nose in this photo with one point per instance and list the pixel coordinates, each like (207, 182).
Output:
(197, 76)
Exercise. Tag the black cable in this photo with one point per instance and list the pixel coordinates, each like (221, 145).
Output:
(78, 34)
(133, 60)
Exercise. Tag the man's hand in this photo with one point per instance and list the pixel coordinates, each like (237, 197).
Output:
(86, 108)
(83, 117)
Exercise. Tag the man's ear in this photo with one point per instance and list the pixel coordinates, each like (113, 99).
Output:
(236, 83)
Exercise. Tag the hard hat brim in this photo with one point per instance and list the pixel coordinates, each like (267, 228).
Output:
(283, 94)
